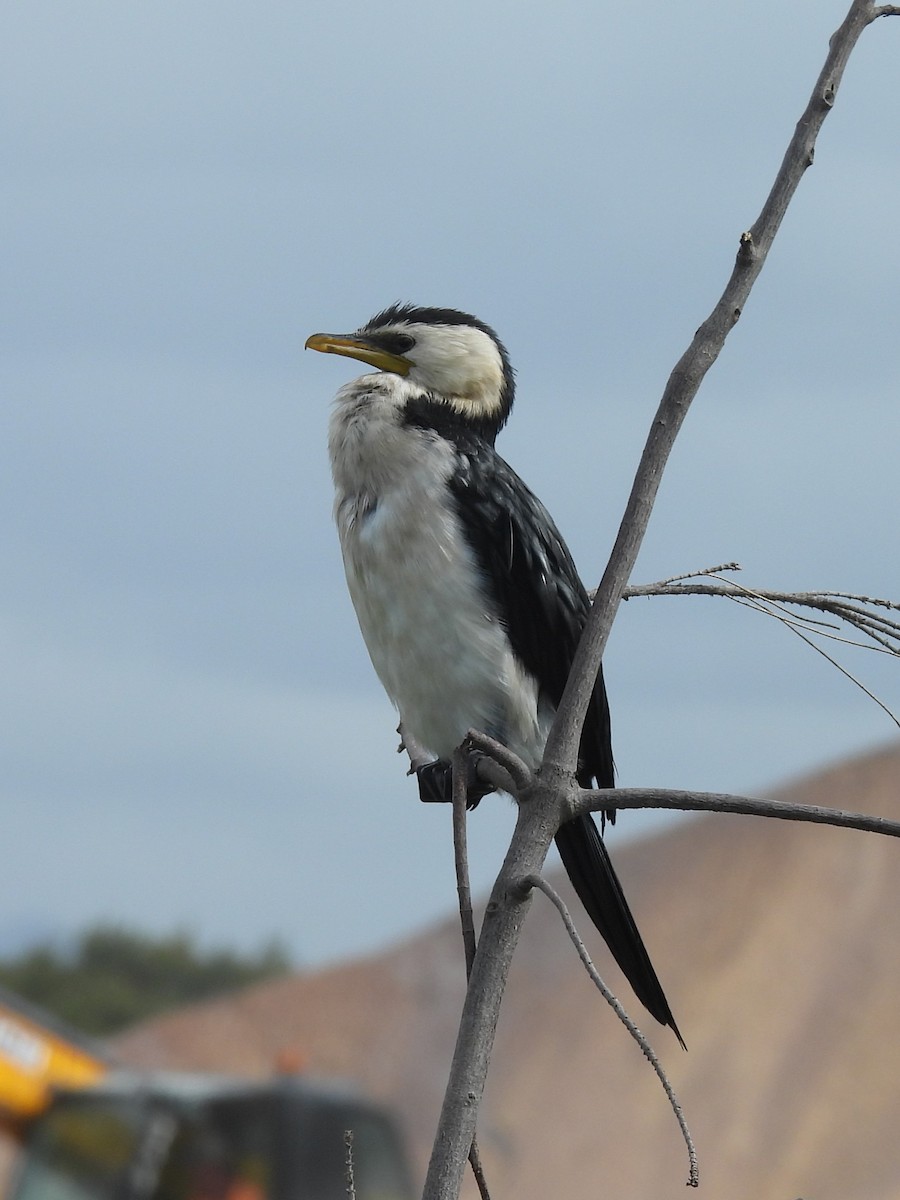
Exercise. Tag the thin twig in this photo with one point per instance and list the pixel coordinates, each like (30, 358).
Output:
(478, 1170)
(538, 881)
(838, 666)
(460, 854)
(815, 625)
(348, 1164)
(665, 583)
(863, 599)
(882, 632)
(466, 916)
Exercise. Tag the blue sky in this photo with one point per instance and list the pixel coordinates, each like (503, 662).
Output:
(190, 731)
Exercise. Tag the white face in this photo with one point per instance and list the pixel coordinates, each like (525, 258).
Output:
(458, 362)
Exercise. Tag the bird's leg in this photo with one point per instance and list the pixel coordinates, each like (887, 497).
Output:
(436, 781)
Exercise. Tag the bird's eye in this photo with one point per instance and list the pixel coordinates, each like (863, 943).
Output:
(395, 342)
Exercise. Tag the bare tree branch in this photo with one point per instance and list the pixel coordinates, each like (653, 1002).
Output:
(588, 800)
(500, 929)
(478, 1170)
(538, 881)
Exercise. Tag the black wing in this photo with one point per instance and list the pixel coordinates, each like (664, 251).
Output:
(535, 586)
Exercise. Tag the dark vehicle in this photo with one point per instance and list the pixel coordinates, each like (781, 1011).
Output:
(195, 1137)
(88, 1131)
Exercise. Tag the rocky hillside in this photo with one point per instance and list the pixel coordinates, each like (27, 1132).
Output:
(779, 948)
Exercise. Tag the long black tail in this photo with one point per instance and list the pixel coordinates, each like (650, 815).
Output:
(588, 866)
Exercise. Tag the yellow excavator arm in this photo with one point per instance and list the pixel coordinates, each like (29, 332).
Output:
(38, 1054)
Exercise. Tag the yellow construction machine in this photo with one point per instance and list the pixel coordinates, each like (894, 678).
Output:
(91, 1131)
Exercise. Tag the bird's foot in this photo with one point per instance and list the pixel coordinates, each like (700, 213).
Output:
(436, 781)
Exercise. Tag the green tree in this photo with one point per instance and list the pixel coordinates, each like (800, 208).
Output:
(114, 977)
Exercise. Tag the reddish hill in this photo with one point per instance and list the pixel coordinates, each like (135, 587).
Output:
(779, 946)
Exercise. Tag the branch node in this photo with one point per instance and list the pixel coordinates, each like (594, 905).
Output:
(746, 254)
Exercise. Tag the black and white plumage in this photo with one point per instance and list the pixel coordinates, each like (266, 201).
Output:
(467, 597)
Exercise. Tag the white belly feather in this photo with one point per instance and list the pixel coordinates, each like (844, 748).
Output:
(437, 646)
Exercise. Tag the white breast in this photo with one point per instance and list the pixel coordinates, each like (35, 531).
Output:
(437, 646)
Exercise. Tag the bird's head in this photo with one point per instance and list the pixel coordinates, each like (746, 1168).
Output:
(454, 358)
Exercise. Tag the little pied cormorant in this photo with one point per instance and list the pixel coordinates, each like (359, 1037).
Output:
(467, 596)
